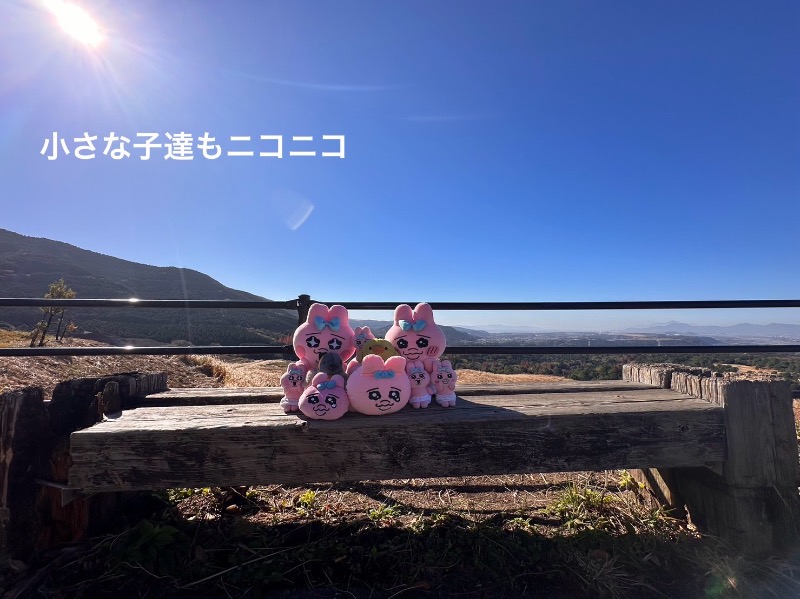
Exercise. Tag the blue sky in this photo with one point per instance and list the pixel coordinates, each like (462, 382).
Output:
(513, 151)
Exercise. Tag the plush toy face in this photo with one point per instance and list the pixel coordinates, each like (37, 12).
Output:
(324, 331)
(292, 379)
(379, 387)
(444, 377)
(325, 398)
(419, 377)
(378, 347)
(360, 336)
(414, 333)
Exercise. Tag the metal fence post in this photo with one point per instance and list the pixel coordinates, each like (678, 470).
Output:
(303, 304)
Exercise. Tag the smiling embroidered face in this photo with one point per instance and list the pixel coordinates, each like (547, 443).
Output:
(414, 333)
(325, 399)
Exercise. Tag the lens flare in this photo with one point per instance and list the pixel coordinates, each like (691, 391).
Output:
(76, 22)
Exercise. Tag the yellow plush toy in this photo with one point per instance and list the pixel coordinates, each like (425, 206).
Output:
(378, 347)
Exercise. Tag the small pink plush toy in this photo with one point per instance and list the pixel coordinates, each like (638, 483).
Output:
(325, 398)
(293, 383)
(360, 336)
(444, 383)
(325, 330)
(421, 387)
(379, 387)
(414, 334)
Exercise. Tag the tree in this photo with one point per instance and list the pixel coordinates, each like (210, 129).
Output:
(56, 290)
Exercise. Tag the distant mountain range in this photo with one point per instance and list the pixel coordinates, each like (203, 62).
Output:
(454, 335)
(737, 330)
(29, 264)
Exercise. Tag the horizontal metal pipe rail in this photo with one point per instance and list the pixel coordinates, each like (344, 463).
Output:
(302, 303)
(451, 349)
(294, 304)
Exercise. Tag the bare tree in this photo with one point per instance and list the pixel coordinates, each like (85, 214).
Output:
(56, 290)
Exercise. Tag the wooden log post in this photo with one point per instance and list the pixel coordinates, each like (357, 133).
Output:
(35, 514)
(23, 425)
(750, 500)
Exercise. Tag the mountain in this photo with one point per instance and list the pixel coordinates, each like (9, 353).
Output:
(454, 336)
(29, 264)
(737, 330)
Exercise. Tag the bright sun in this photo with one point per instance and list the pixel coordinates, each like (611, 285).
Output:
(76, 22)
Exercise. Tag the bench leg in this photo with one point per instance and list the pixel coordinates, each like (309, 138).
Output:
(751, 500)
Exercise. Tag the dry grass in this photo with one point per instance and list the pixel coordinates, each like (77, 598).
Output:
(477, 376)
(241, 372)
(46, 372)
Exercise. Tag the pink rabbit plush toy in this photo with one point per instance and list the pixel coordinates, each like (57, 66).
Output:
(360, 336)
(444, 383)
(379, 387)
(421, 387)
(293, 383)
(325, 330)
(325, 398)
(415, 335)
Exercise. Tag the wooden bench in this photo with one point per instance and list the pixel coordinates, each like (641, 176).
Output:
(725, 450)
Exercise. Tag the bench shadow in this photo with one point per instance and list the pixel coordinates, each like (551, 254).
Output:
(436, 555)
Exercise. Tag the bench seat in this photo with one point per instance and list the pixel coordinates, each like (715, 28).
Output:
(173, 440)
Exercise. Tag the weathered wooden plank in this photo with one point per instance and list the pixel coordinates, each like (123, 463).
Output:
(249, 444)
(200, 396)
(659, 375)
(75, 403)
(470, 389)
(23, 424)
(239, 395)
(530, 404)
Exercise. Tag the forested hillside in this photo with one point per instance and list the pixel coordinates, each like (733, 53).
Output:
(28, 265)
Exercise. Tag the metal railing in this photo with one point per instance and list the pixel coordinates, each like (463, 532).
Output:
(303, 302)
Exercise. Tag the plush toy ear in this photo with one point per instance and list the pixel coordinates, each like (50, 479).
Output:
(338, 379)
(423, 311)
(295, 368)
(352, 366)
(403, 312)
(315, 310)
(396, 363)
(339, 312)
(371, 363)
(431, 365)
(320, 377)
(447, 365)
(367, 333)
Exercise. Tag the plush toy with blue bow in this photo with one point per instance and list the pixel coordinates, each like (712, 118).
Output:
(326, 398)
(379, 387)
(415, 335)
(326, 330)
(360, 336)
(421, 386)
(293, 384)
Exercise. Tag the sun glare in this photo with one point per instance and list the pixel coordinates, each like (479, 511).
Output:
(76, 22)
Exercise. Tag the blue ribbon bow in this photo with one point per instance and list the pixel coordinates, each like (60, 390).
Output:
(407, 325)
(384, 374)
(326, 385)
(332, 324)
